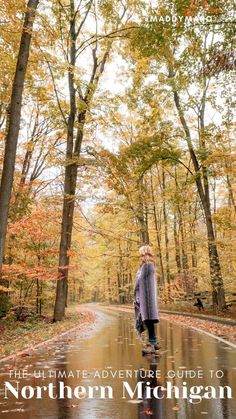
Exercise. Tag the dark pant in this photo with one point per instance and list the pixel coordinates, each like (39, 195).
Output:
(151, 331)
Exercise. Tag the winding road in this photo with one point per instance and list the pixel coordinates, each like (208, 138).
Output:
(102, 355)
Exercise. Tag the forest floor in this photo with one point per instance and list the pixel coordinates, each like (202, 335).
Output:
(229, 314)
(20, 336)
(222, 331)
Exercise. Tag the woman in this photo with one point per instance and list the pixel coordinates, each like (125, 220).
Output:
(145, 298)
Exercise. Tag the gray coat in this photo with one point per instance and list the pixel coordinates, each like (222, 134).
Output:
(146, 292)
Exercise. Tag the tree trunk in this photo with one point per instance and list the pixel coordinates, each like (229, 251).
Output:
(193, 239)
(230, 191)
(13, 128)
(74, 142)
(14, 122)
(37, 296)
(177, 247)
(215, 269)
(166, 227)
(71, 172)
(158, 237)
(183, 244)
(65, 243)
(109, 284)
(218, 295)
(72, 155)
(143, 223)
(118, 282)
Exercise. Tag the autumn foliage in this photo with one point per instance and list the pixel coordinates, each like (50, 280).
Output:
(126, 137)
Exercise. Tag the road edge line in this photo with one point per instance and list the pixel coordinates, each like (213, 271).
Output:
(233, 345)
(45, 342)
(227, 342)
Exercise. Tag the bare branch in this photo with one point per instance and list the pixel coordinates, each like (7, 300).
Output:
(55, 89)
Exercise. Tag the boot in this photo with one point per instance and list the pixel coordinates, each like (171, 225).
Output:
(157, 346)
(149, 349)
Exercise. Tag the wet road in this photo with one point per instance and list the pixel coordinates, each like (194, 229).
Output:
(112, 347)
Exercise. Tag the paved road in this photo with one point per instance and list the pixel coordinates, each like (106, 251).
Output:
(110, 348)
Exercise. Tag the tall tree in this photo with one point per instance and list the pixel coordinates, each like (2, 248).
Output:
(185, 51)
(14, 122)
(80, 101)
(13, 125)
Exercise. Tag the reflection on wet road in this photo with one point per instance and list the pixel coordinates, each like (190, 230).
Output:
(114, 346)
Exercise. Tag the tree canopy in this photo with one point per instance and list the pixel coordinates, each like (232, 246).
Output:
(119, 133)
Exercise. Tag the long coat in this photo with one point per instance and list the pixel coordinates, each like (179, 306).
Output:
(146, 292)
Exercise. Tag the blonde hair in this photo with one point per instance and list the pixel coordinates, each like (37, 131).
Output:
(146, 254)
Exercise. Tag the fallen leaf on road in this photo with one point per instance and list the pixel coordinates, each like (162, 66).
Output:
(148, 412)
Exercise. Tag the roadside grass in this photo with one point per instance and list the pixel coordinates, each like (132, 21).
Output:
(18, 335)
(183, 307)
(188, 308)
